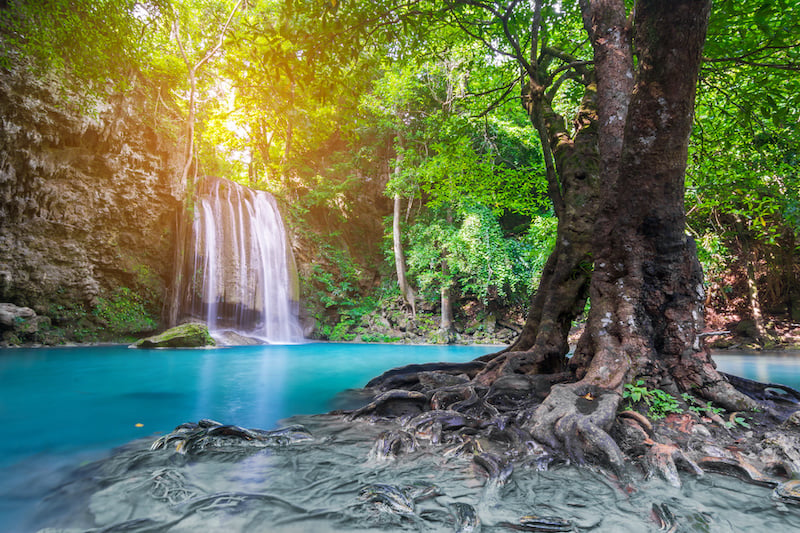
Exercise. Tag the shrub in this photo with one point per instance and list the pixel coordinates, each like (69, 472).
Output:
(124, 313)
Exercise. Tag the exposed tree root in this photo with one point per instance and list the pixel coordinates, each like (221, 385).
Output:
(575, 420)
(663, 459)
(782, 400)
(538, 420)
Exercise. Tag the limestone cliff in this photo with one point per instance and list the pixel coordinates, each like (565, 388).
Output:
(87, 208)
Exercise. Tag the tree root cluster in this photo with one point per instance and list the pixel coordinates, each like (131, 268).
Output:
(540, 420)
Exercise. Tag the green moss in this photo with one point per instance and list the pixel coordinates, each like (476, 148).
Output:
(192, 335)
(124, 313)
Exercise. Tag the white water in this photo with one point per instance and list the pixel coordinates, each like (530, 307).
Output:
(243, 272)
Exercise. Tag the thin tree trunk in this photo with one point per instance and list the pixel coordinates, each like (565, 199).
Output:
(752, 288)
(446, 323)
(193, 69)
(406, 290)
(399, 258)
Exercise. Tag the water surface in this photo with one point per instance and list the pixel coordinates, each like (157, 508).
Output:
(61, 407)
(64, 408)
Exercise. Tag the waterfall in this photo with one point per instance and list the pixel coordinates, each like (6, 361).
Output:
(239, 271)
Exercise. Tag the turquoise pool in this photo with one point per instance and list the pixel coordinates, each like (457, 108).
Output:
(64, 407)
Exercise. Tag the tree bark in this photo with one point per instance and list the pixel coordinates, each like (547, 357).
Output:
(753, 303)
(446, 323)
(620, 203)
(561, 296)
(397, 247)
(647, 293)
(646, 290)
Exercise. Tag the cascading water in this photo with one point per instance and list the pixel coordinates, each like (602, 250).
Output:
(239, 272)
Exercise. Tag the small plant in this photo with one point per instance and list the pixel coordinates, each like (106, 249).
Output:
(659, 402)
(737, 420)
(699, 407)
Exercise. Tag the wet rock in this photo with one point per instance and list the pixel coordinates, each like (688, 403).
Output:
(388, 498)
(539, 523)
(208, 435)
(783, 447)
(497, 469)
(664, 517)
(20, 325)
(231, 338)
(788, 492)
(466, 518)
(191, 335)
(390, 444)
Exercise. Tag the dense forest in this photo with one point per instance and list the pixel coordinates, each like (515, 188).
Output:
(417, 150)
(604, 186)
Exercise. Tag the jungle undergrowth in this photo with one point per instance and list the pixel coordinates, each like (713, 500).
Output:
(661, 403)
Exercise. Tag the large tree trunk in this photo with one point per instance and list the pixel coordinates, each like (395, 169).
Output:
(646, 291)
(646, 288)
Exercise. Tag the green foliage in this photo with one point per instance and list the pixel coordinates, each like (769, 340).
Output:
(124, 313)
(380, 338)
(331, 288)
(482, 262)
(316, 100)
(659, 402)
(86, 44)
(697, 406)
(742, 178)
(339, 331)
(707, 408)
(738, 420)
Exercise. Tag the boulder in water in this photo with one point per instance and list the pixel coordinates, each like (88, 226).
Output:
(232, 338)
(190, 335)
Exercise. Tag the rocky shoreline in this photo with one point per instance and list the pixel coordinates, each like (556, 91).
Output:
(22, 327)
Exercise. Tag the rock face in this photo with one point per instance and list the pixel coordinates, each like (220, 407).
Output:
(191, 335)
(20, 323)
(87, 202)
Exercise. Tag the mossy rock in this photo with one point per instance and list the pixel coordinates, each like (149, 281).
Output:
(191, 335)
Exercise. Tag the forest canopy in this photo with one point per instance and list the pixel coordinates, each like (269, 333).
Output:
(334, 105)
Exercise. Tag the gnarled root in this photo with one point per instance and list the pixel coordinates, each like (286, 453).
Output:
(412, 377)
(508, 363)
(779, 400)
(575, 419)
(697, 373)
(393, 403)
(664, 459)
(738, 466)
